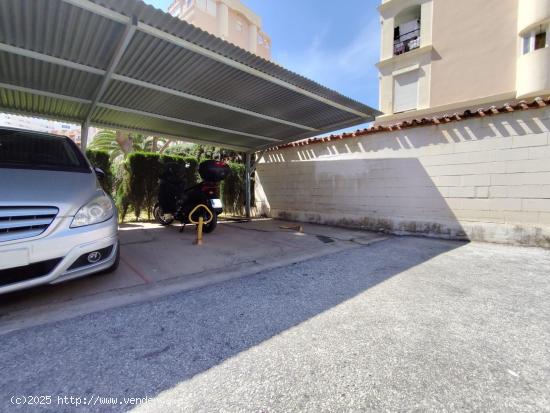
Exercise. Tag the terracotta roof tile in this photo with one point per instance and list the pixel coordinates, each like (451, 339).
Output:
(535, 103)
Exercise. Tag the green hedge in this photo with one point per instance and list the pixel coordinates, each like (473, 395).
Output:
(101, 159)
(120, 180)
(189, 167)
(232, 190)
(137, 180)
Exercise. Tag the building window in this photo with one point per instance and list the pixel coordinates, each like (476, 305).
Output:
(211, 7)
(405, 91)
(201, 4)
(406, 33)
(239, 26)
(535, 40)
(540, 40)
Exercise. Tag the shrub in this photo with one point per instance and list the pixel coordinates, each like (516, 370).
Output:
(232, 190)
(144, 170)
(135, 182)
(120, 174)
(179, 149)
(100, 159)
(139, 184)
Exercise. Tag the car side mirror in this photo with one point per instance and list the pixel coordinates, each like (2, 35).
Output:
(99, 173)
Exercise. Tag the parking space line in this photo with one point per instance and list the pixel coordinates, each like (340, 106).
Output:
(135, 270)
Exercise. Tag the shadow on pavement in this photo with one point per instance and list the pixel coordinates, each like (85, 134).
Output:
(143, 349)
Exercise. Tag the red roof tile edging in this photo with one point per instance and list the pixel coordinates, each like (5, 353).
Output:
(537, 102)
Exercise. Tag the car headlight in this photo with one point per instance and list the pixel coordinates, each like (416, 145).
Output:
(98, 210)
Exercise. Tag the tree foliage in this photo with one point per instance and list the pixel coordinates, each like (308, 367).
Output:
(105, 140)
(203, 152)
(119, 144)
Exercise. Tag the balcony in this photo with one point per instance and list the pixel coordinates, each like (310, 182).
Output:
(406, 42)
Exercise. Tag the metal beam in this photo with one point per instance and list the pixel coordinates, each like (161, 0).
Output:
(310, 135)
(135, 111)
(174, 137)
(44, 93)
(222, 144)
(186, 122)
(247, 185)
(67, 63)
(84, 130)
(49, 59)
(244, 68)
(28, 114)
(123, 44)
(195, 98)
(142, 113)
(153, 31)
(97, 9)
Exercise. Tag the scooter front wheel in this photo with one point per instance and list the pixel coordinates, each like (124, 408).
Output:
(208, 228)
(162, 217)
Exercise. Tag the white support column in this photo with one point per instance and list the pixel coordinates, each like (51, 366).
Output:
(247, 185)
(84, 129)
(223, 20)
(252, 38)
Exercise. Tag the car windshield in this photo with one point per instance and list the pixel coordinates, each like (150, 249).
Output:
(36, 151)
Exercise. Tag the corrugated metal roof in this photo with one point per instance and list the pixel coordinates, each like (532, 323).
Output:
(172, 78)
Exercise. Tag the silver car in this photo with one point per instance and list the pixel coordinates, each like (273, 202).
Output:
(56, 223)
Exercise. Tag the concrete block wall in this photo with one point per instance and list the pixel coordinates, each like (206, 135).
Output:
(484, 179)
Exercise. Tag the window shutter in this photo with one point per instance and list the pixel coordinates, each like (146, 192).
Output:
(405, 91)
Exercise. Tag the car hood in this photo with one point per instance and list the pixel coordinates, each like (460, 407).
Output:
(68, 191)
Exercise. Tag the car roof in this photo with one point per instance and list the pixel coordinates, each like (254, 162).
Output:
(30, 131)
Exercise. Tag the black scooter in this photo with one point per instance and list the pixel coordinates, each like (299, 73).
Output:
(175, 202)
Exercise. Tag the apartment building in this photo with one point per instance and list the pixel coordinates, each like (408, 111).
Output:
(440, 56)
(229, 19)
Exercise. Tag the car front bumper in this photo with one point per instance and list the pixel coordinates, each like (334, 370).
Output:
(67, 244)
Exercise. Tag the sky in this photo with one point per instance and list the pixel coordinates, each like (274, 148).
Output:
(335, 43)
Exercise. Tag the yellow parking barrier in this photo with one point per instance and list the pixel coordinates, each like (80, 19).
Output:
(200, 222)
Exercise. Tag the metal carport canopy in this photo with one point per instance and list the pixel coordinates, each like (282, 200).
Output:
(123, 64)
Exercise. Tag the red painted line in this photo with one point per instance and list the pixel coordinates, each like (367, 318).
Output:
(134, 269)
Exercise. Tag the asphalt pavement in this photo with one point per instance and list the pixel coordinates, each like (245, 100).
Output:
(403, 324)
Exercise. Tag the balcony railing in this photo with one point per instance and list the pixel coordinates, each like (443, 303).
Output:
(406, 42)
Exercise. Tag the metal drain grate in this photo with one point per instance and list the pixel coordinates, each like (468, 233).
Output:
(325, 239)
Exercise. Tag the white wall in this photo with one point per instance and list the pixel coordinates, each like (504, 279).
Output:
(483, 179)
